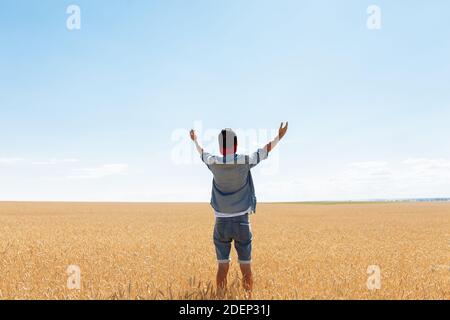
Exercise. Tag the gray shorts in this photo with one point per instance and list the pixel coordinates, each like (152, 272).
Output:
(235, 229)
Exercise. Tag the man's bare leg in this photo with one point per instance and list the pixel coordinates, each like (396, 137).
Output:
(221, 278)
(247, 279)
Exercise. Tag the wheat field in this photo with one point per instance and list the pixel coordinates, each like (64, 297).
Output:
(165, 251)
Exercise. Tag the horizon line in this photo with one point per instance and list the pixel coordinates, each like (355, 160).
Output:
(424, 199)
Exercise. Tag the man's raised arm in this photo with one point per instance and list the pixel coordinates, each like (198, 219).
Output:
(206, 157)
(194, 138)
(263, 153)
(274, 142)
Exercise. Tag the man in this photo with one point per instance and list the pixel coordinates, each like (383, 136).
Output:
(233, 199)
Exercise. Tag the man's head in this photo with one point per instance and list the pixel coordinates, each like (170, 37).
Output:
(227, 142)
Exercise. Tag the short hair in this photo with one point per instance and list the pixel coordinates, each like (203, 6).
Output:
(226, 136)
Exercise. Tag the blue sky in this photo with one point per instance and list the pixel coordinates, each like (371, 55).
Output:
(96, 114)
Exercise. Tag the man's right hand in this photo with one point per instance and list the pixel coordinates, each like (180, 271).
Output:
(193, 135)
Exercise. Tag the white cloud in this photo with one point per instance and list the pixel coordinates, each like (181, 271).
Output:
(429, 165)
(55, 161)
(10, 161)
(100, 172)
(411, 178)
(375, 179)
(369, 164)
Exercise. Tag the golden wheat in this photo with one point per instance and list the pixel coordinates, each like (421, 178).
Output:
(165, 251)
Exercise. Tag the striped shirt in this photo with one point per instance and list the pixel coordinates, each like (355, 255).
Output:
(233, 193)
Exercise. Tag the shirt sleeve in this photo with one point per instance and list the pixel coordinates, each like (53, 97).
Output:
(208, 158)
(257, 157)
